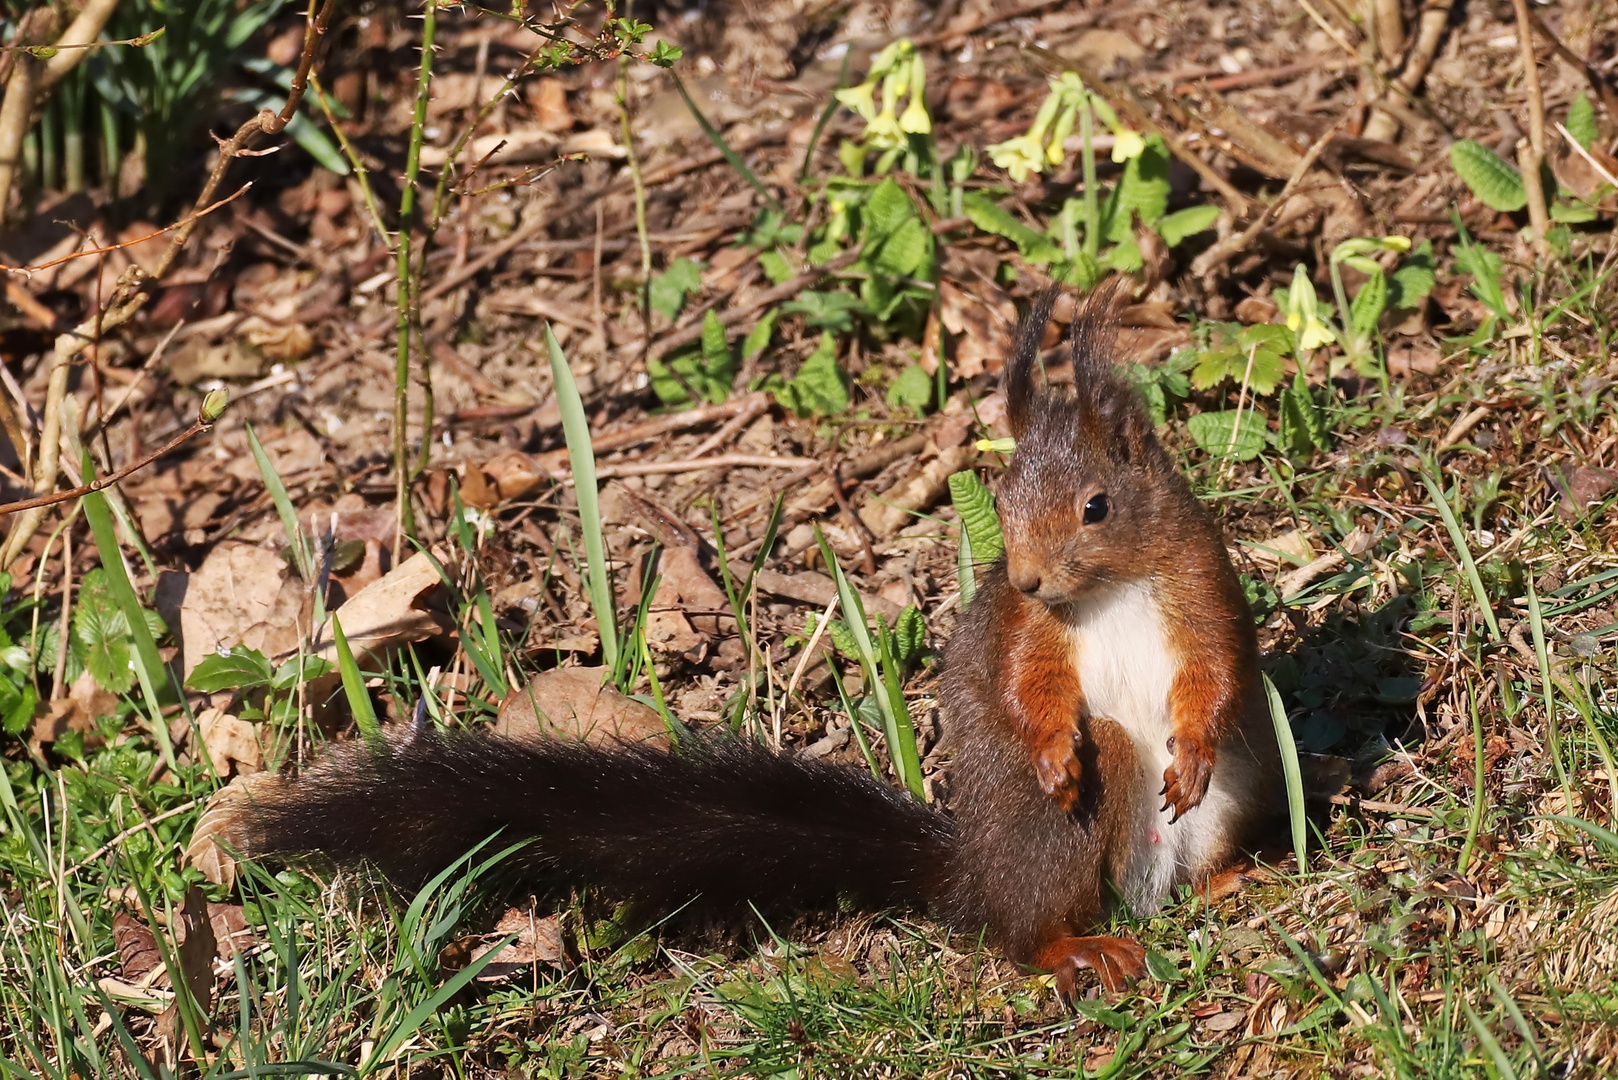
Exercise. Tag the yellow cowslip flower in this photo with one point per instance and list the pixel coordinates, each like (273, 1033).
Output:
(1026, 153)
(861, 99)
(1303, 313)
(915, 119)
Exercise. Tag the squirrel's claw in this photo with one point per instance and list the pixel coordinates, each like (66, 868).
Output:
(1185, 781)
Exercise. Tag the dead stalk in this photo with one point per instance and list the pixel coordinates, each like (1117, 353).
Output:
(1531, 151)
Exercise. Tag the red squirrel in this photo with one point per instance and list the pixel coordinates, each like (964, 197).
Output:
(1102, 694)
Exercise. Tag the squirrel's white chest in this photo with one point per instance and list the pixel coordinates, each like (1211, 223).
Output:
(1121, 651)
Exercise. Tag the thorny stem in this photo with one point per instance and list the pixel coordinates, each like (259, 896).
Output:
(1092, 213)
(405, 520)
(197, 428)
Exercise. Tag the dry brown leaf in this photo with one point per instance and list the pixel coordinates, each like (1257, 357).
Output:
(981, 322)
(241, 594)
(548, 99)
(230, 742)
(196, 360)
(277, 341)
(388, 612)
(230, 929)
(685, 587)
(138, 955)
(515, 473)
(219, 830)
(1293, 547)
(54, 719)
(539, 940)
(194, 949)
(577, 703)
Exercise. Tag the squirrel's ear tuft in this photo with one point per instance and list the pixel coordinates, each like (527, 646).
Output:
(1095, 331)
(1018, 378)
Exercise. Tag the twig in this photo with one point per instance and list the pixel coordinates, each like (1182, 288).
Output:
(1593, 77)
(854, 522)
(718, 461)
(1531, 151)
(1376, 806)
(189, 220)
(198, 427)
(1579, 149)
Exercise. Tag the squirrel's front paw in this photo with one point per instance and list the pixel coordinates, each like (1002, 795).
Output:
(1056, 763)
(1185, 781)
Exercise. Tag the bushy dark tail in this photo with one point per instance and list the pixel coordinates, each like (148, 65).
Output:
(725, 822)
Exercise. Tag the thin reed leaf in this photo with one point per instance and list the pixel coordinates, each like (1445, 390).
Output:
(359, 699)
(1297, 812)
(301, 555)
(581, 459)
(1474, 816)
(1553, 730)
(1457, 537)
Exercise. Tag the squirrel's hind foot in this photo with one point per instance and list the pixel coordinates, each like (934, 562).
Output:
(1113, 959)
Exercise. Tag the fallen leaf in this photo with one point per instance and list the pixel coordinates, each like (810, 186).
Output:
(578, 703)
(230, 742)
(896, 507)
(1292, 547)
(230, 929)
(1407, 360)
(219, 831)
(285, 341)
(1225, 1021)
(196, 360)
(389, 611)
(241, 594)
(539, 940)
(138, 954)
(194, 948)
(981, 322)
(548, 99)
(515, 474)
(1257, 309)
(54, 719)
(1583, 487)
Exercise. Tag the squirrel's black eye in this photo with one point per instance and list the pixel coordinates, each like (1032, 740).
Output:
(1096, 509)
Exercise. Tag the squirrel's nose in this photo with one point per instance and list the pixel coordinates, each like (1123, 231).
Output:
(1024, 579)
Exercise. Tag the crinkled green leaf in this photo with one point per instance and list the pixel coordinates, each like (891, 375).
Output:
(912, 390)
(17, 704)
(1181, 224)
(1485, 267)
(910, 633)
(1581, 121)
(817, 389)
(974, 504)
(1124, 257)
(1414, 279)
(1572, 212)
(1267, 345)
(1303, 422)
(1143, 189)
(1368, 304)
(758, 338)
(905, 251)
(887, 208)
(825, 310)
(1496, 182)
(991, 217)
(708, 370)
(776, 267)
(668, 290)
(102, 635)
(237, 669)
(1219, 436)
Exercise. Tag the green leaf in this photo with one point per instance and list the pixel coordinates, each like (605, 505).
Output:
(910, 632)
(1143, 189)
(776, 267)
(668, 290)
(817, 389)
(758, 338)
(1368, 304)
(905, 251)
(974, 504)
(709, 370)
(1181, 224)
(1581, 121)
(1414, 279)
(1572, 212)
(1496, 183)
(842, 638)
(1218, 435)
(238, 669)
(359, 699)
(102, 635)
(1265, 344)
(1303, 424)
(989, 216)
(1484, 266)
(912, 390)
(291, 673)
(1125, 256)
(886, 210)
(825, 310)
(17, 706)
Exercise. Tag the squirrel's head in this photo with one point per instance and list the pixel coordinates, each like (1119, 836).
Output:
(1079, 503)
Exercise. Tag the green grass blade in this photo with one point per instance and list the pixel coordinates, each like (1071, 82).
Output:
(154, 680)
(1490, 1044)
(1458, 537)
(1553, 730)
(1296, 811)
(283, 505)
(1474, 817)
(359, 699)
(383, 1054)
(581, 458)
